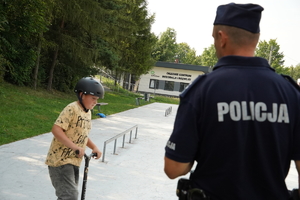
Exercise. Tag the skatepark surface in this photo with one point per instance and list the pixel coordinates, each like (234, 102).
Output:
(134, 172)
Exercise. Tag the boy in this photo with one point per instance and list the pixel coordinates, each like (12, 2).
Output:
(70, 132)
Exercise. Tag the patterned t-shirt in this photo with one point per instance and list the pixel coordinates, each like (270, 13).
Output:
(76, 125)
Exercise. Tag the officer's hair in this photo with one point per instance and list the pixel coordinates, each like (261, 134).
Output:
(239, 36)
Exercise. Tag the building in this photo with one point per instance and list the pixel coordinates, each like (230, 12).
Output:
(170, 79)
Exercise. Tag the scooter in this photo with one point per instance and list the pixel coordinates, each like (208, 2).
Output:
(87, 159)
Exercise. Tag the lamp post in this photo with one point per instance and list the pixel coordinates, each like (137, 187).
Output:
(270, 56)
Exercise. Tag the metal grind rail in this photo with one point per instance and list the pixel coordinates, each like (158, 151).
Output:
(117, 136)
(168, 111)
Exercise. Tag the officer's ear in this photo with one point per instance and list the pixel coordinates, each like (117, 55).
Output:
(223, 38)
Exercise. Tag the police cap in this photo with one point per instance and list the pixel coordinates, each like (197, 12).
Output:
(244, 16)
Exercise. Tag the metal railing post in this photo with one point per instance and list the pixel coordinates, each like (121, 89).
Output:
(130, 136)
(123, 140)
(103, 155)
(136, 132)
(115, 139)
(115, 146)
(168, 111)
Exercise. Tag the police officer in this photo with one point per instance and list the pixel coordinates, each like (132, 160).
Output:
(241, 122)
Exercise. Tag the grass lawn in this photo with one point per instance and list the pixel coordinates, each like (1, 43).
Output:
(25, 112)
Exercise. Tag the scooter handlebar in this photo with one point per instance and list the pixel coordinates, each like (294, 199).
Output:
(91, 155)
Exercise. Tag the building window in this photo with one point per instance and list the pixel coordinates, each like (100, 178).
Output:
(183, 86)
(154, 84)
(169, 85)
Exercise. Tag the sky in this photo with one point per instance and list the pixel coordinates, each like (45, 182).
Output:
(193, 22)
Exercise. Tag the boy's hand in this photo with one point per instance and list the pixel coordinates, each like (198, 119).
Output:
(99, 153)
(79, 152)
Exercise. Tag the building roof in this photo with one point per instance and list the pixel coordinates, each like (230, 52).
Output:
(183, 66)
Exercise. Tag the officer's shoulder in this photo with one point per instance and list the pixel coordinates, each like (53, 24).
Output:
(291, 80)
(193, 84)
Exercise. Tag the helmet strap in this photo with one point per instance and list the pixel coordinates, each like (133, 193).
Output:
(81, 103)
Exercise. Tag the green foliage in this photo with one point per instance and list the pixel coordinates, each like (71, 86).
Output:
(270, 51)
(136, 42)
(3, 62)
(165, 47)
(208, 57)
(182, 51)
(294, 72)
(143, 62)
(187, 55)
(105, 54)
(18, 38)
(54, 39)
(26, 112)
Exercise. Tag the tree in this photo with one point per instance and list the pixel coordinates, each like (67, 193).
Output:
(135, 41)
(294, 72)
(3, 61)
(187, 55)
(182, 51)
(19, 34)
(106, 41)
(54, 39)
(270, 51)
(165, 47)
(208, 57)
(197, 60)
(80, 28)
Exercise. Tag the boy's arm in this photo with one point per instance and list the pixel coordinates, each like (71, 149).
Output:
(94, 148)
(59, 134)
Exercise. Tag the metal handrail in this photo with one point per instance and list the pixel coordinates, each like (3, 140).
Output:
(168, 111)
(116, 137)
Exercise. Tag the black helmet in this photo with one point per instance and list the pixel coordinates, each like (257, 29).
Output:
(88, 85)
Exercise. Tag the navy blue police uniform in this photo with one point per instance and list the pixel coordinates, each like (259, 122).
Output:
(241, 124)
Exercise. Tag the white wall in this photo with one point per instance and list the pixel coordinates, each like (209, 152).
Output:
(167, 74)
